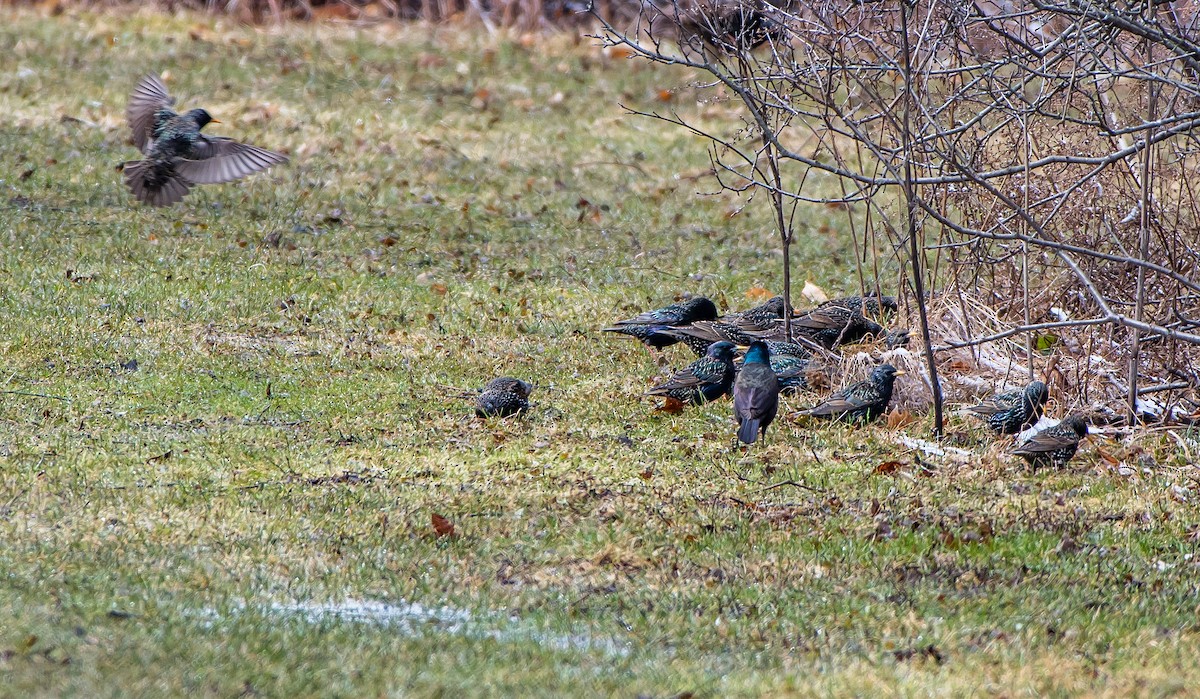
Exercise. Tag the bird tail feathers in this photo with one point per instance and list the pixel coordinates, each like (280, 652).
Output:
(748, 432)
(172, 190)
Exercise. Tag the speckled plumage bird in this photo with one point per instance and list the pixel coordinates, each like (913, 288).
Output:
(706, 379)
(1055, 445)
(177, 155)
(791, 372)
(649, 326)
(1010, 412)
(503, 397)
(869, 305)
(755, 394)
(701, 334)
(760, 317)
(827, 327)
(861, 401)
(790, 349)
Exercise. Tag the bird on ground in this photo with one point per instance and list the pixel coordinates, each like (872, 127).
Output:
(1010, 412)
(177, 155)
(791, 372)
(862, 401)
(826, 327)
(870, 305)
(1055, 445)
(706, 379)
(732, 327)
(503, 397)
(755, 394)
(649, 326)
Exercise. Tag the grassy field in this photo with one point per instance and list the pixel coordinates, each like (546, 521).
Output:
(225, 426)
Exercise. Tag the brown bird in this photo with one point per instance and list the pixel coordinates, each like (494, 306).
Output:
(178, 156)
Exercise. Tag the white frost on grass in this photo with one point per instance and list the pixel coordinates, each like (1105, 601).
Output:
(414, 618)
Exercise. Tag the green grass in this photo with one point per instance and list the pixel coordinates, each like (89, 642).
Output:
(460, 207)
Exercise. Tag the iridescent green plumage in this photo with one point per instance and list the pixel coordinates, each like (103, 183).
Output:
(704, 380)
(755, 394)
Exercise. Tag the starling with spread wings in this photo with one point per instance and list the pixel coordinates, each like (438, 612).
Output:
(177, 155)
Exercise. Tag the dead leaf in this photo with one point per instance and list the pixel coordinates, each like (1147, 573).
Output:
(671, 406)
(442, 526)
(900, 418)
(814, 293)
(666, 95)
(887, 468)
(161, 457)
(758, 293)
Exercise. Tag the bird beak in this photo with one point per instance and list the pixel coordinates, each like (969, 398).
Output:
(215, 121)
(900, 372)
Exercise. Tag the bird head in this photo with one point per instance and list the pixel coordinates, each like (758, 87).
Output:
(1077, 423)
(886, 374)
(1037, 393)
(722, 350)
(774, 306)
(758, 353)
(202, 118)
(701, 308)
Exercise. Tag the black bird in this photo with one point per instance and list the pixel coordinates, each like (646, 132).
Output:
(178, 156)
(870, 305)
(825, 326)
(862, 401)
(760, 317)
(701, 334)
(503, 397)
(704, 380)
(649, 326)
(791, 349)
(1055, 445)
(755, 394)
(1010, 412)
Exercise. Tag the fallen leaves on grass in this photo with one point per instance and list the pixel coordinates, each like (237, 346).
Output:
(441, 526)
(758, 294)
(671, 406)
(887, 468)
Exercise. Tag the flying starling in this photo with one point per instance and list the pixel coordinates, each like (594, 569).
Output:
(649, 326)
(178, 156)
(503, 397)
(862, 401)
(1055, 445)
(1009, 413)
(755, 394)
(704, 380)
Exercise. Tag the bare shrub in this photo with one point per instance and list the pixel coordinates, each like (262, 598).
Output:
(1033, 159)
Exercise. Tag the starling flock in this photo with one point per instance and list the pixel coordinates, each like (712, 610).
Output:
(177, 155)
(773, 365)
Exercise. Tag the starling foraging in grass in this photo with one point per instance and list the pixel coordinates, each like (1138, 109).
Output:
(649, 326)
(1010, 412)
(178, 156)
(862, 401)
(706, 379)
(701, 334)
(755, 394)
(503, 397)
(760, 317)
(791, 372)
(1055, 445)
(828, 327)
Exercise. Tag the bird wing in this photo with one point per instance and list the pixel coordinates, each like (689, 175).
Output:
(217, 160)
(685, 378)
(995, 405)
(821, 318)
(661, 316)
(841, 402)
(148, 97)
(1046, 441)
